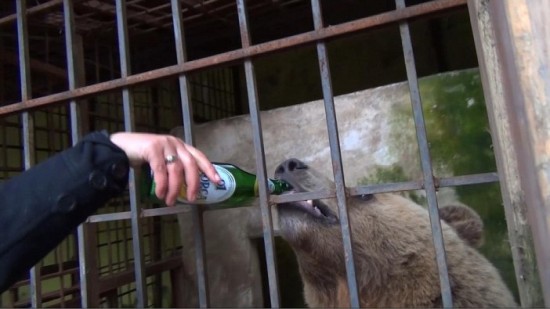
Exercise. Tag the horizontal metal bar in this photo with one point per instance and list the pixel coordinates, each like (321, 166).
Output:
(418, 184)
(241, 54)
(324, 194)
(163, 211)
(35, 9)
(467, 180)
(125, 215)
(386, 187)
(294, 197)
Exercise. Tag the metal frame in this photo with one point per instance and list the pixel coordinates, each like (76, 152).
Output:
(513, 52)
(401, 15)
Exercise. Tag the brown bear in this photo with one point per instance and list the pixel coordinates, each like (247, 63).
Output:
(393, 250)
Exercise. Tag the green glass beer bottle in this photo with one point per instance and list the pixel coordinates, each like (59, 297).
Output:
(236, 189)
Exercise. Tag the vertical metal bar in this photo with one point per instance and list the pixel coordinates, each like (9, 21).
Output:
(23, 46)
(127, 101)
(336, 157)
(68, 16)
(28, 124)
(421, 136)
(187, 114)
(267, 220)
(2, 71)
(179, 36)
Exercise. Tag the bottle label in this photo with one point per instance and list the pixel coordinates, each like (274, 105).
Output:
(270, 186)
(209, 192)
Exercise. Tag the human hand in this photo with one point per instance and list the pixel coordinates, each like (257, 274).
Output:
(169, 176)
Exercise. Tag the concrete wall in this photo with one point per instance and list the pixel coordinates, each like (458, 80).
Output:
(364, 123)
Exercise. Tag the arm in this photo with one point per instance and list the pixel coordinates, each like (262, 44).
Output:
(43, 205)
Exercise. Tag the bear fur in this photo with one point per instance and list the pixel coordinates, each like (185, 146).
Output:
(393, 249)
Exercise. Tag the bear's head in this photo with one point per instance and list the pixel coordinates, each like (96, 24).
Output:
(393, 249)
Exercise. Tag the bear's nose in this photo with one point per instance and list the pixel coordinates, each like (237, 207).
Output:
(289, 166)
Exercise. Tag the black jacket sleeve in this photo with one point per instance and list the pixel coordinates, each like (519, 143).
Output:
(43, 205)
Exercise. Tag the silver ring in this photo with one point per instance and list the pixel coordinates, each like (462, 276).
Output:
(170, 159)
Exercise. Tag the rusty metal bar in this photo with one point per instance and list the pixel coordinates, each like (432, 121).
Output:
(28, 125)
(429, 184)
(187, 114)
(35, 9)
(129, 126)
(244, 53)
(267, 220)
(336, 156)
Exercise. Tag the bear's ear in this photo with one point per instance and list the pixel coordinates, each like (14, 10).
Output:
(465, 221)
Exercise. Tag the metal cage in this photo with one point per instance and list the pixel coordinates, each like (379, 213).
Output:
(100, 90)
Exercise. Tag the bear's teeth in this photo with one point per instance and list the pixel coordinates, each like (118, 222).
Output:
(317, 210)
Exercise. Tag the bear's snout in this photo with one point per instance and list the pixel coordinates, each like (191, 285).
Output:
(289, 166)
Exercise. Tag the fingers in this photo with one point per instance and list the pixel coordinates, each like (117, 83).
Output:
(176, 172)
(159, 169)
(196, 161)
(204, 164)
(192, 180)
(168, 176)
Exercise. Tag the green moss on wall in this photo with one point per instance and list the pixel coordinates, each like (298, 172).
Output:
(460, 144)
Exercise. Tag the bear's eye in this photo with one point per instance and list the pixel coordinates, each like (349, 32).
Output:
(365, 197)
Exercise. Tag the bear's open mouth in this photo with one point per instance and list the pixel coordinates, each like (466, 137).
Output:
(315, 208)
